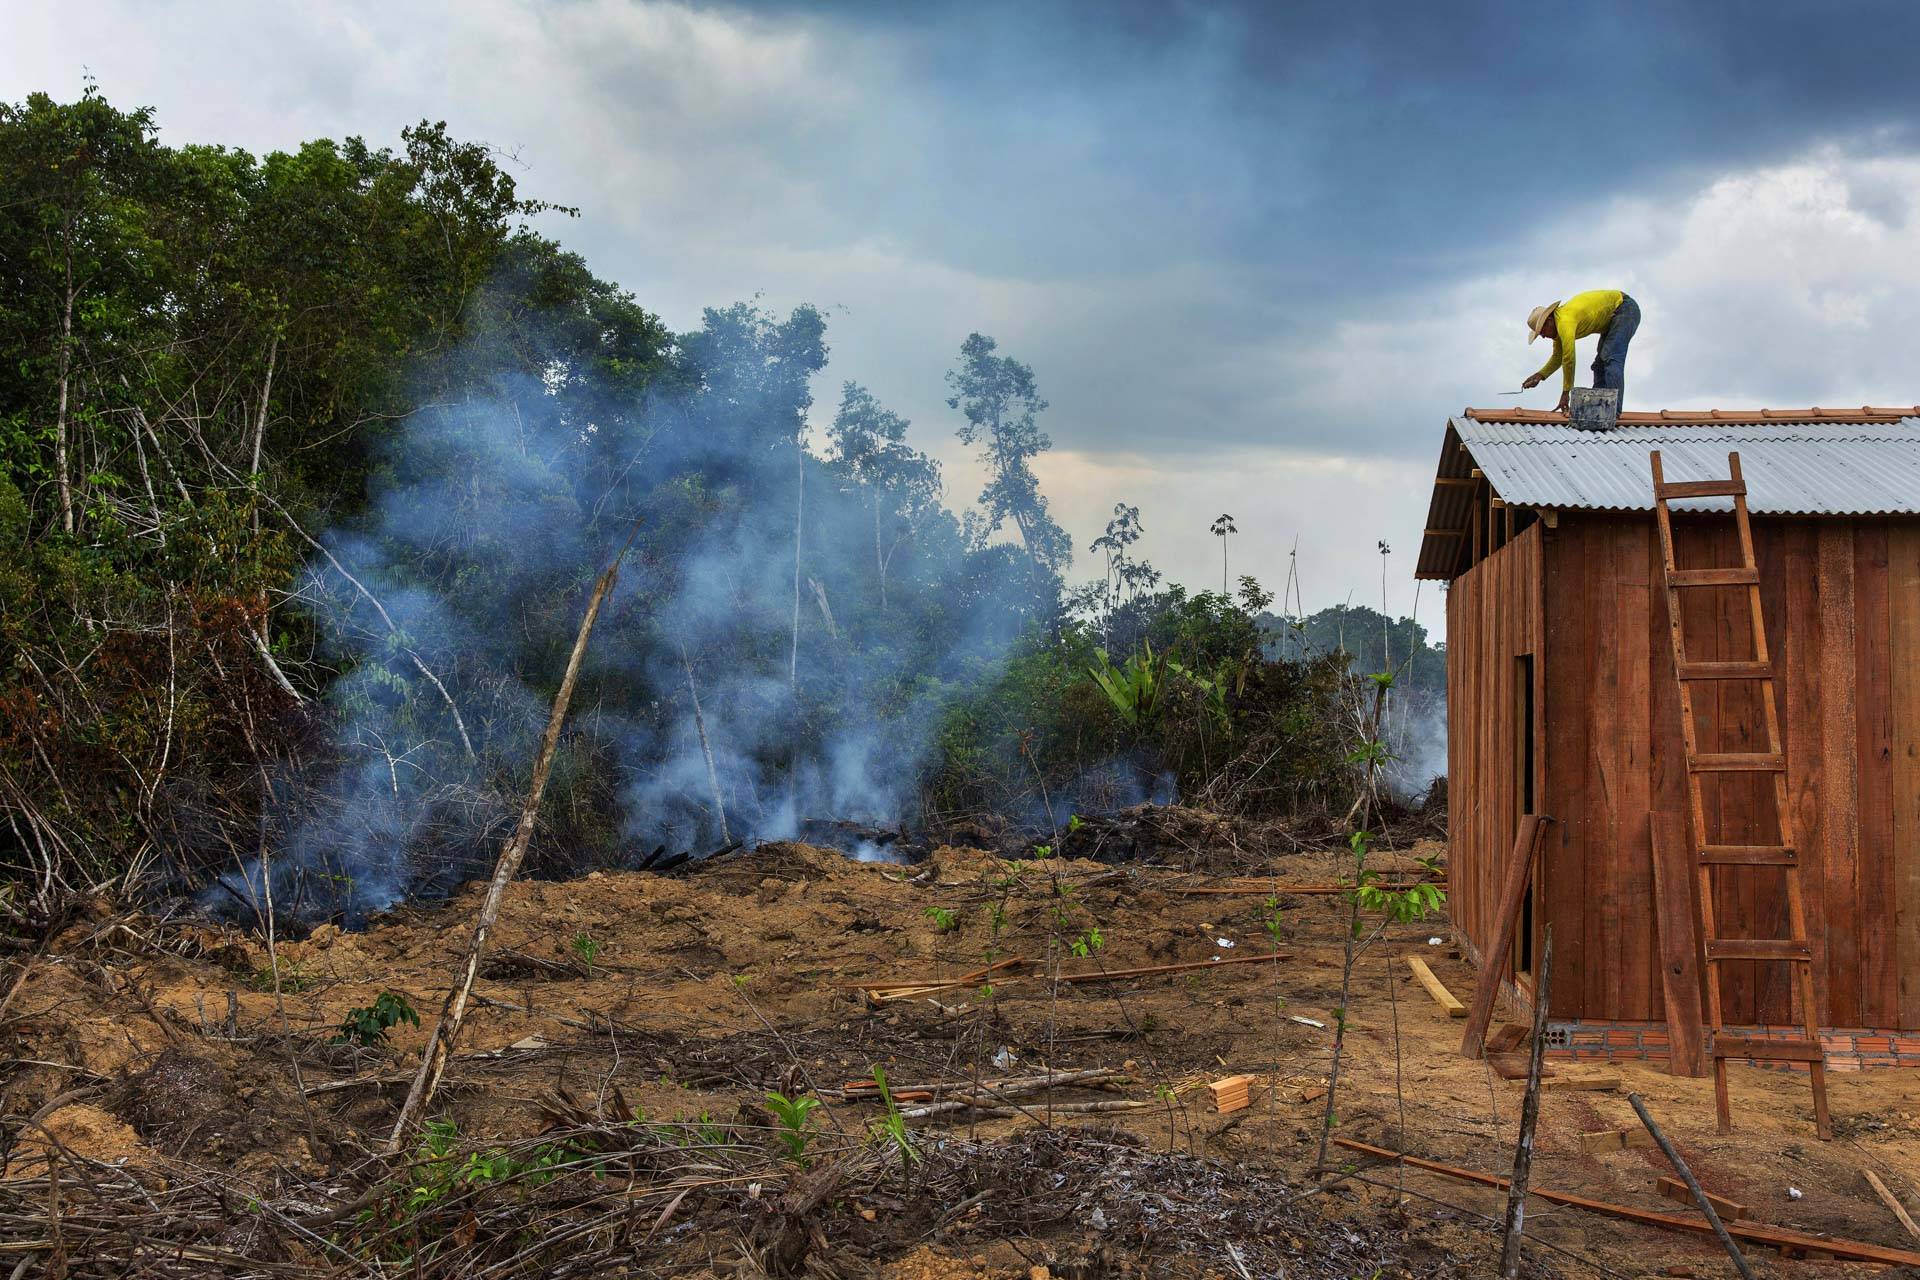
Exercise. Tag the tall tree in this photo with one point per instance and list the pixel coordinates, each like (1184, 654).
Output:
(869, 443)
(1002, 406)
(82, 180)
(1222, 527)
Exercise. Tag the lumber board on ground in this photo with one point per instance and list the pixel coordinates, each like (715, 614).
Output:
(1526, 845)
(1604, 1083)
(1513, 1066)
(1436, 988)
(1760, 1233)
(1615, 1139)
(1674, 1189)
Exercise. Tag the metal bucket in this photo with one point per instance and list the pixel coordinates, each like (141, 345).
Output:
(1594, 408)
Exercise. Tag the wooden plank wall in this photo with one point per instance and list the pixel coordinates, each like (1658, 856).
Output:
(1842, 604)
(1492, 619)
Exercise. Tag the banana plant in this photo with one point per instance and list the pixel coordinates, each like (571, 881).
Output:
(1135, 687)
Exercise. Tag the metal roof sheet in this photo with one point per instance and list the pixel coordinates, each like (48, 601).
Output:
(1808, 468)
(1818, 462)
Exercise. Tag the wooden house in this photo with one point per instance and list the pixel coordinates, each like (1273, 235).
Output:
(1562, 698)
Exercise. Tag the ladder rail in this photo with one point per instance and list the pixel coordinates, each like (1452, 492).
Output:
(1794, 949)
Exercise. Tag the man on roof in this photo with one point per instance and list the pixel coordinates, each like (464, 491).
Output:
(1607, 312)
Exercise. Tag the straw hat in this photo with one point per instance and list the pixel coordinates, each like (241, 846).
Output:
(1537, 320)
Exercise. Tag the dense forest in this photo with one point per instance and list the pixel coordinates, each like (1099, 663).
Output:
(309, 460)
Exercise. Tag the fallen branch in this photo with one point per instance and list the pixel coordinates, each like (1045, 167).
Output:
(446, 1028)
(1060, 1108)
(1148, 971)
(1759, 1233)
(990, 1096)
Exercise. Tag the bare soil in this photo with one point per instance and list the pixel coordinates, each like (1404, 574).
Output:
(160, 1048)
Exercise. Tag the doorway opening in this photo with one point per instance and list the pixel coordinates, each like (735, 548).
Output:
(1523, 792)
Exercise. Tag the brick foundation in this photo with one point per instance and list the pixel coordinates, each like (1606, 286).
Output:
(1848, 1048)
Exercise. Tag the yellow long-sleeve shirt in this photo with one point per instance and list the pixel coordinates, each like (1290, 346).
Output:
(1580, 315)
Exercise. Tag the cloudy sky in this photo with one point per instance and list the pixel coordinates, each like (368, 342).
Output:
(1255, 253)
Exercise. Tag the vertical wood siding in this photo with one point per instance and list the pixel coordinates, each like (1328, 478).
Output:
(1842, 605)
(1492, 619)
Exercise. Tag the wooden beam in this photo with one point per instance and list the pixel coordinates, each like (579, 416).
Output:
(1436, 988)
(1678, 936)
(1674, 1189)
(1760, 1233)
(1453, 482)
(1606, 1082)
(1496, 954)
(1615, 1140)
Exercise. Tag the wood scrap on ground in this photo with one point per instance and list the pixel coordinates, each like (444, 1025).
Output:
(1759, 1233)
(1507, 1037)
(1513, 1066)
(1614, 1139)
(1674, 1189)
(1436, 988)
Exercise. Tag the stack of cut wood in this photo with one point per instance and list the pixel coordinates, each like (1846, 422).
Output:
(1232, 1094)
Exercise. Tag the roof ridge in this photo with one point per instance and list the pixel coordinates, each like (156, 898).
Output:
(1865, 415)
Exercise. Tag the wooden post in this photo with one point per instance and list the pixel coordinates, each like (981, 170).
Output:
(1529, 1115)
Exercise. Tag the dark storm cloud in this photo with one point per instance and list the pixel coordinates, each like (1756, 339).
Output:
(1340, 142)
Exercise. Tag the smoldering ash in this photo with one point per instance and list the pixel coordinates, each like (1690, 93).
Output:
(787, 630)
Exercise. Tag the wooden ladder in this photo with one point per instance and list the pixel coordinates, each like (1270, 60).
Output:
(1792, 950)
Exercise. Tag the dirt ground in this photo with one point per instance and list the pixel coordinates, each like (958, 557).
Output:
(161, 1048)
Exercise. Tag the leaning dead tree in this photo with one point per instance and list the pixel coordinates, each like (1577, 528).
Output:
(446, 1028)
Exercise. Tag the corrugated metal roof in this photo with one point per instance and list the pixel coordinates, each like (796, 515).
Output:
(1823, 462)
(1827, 468)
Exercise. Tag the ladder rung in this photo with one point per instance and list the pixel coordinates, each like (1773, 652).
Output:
(1789, 949)
(1739, 762)
(1701, 489)
(1737, 576)
(1751, 855)
(1768, 1050)
(1743, 670)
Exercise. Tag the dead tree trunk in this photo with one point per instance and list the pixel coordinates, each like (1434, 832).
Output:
(60, 462)
(799, 518)
(446, 1028)
(706, 749)
(1529, 1115)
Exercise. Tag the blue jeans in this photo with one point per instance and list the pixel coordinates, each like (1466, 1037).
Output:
(1610, 362)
